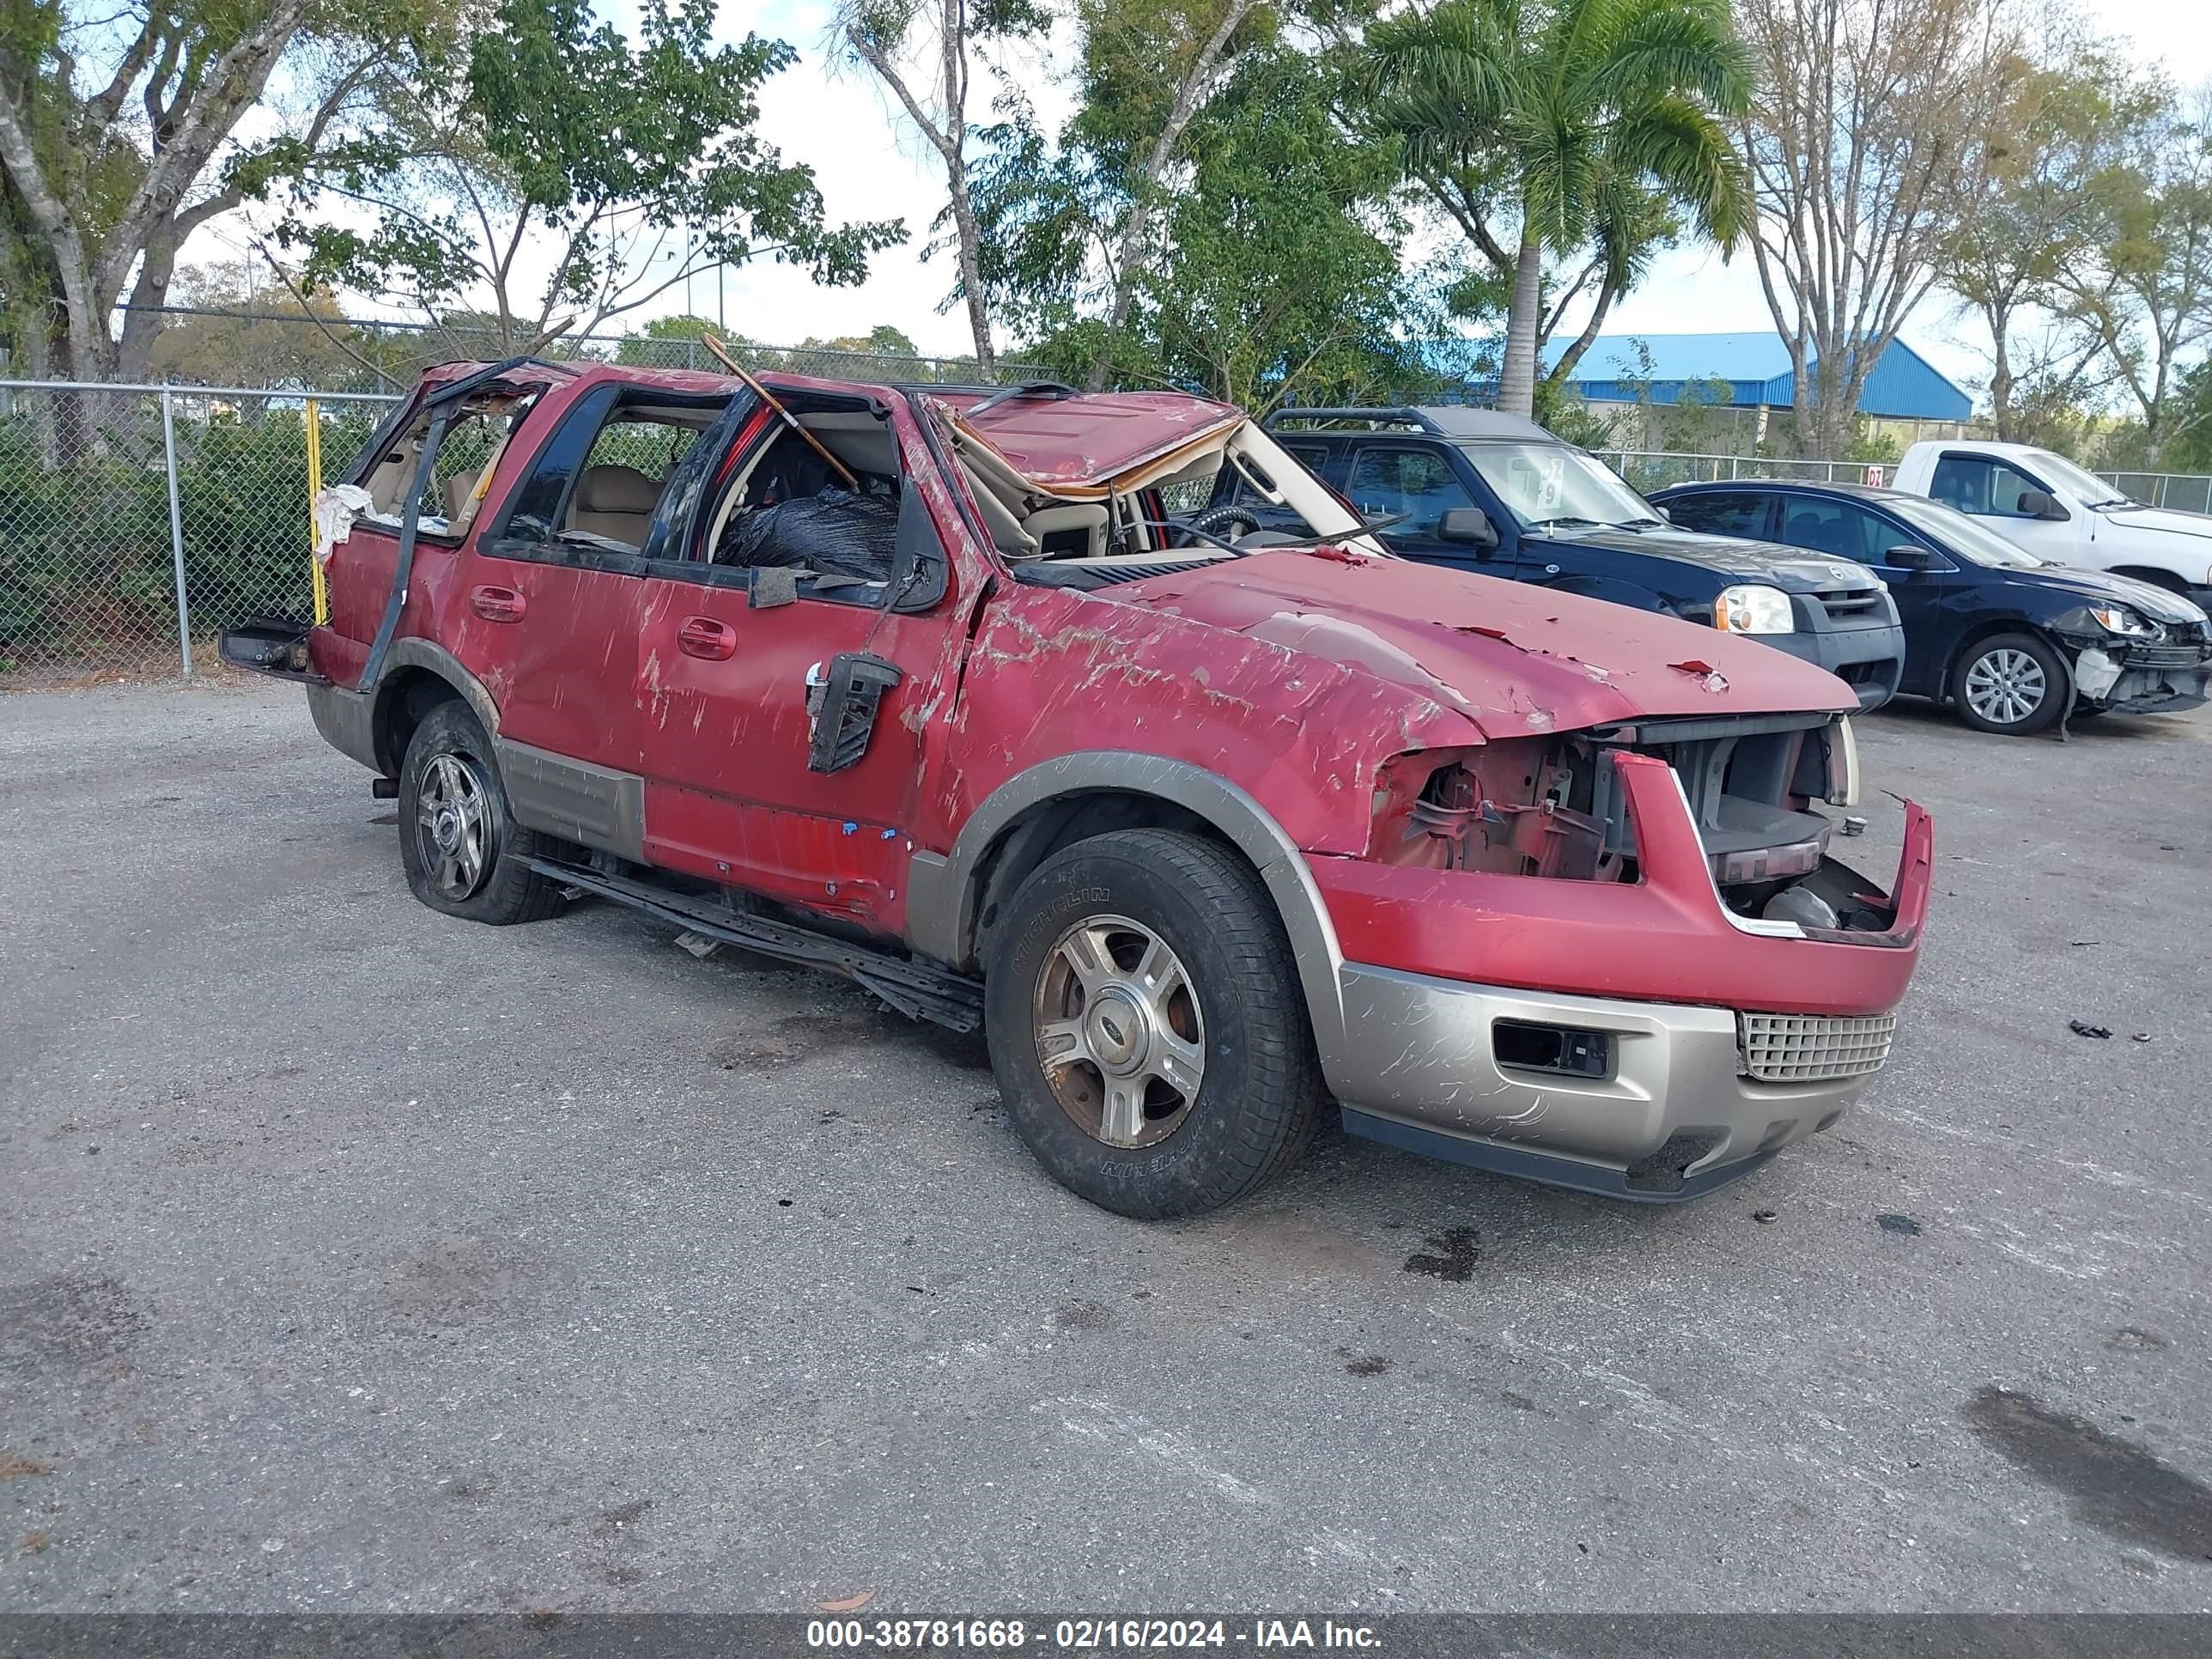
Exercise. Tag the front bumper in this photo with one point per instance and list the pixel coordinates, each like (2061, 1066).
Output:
(1657, 970)
(2142, 679)
(1674, 1118)
(1870, 661)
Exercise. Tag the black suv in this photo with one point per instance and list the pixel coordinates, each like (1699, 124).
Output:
(1497, 495)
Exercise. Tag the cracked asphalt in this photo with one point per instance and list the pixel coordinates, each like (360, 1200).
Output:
(353, 1258)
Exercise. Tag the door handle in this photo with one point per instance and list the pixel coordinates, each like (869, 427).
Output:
(499, 604)
(702, 636)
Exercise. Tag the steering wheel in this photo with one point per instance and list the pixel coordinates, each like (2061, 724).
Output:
(1223, 524)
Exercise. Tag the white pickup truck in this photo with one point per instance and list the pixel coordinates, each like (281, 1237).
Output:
(2046, 504)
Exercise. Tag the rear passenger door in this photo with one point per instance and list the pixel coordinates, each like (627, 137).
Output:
(550, 590)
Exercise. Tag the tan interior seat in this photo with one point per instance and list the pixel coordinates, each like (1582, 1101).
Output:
(616, 502)
(459, 491)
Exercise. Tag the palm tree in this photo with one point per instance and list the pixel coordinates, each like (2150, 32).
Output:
(1552, 118)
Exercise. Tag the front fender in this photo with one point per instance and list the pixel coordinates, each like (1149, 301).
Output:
(944, 889)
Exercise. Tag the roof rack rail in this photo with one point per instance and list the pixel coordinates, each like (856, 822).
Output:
(1405, 415)
(1058, 391)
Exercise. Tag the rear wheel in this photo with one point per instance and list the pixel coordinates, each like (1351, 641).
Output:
(460, 845)
(1146, 1025)
(2012, 683)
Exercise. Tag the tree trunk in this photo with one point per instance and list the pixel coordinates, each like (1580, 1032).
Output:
(1129, 263)
(970, 238)
(142, 320)
(2001, 379)
(1516, 375)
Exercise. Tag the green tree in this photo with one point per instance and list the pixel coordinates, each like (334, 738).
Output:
(673, 343)
(1278, 278)
(634, 164)
(1272, 270)
(248, 331)
(2064, 127)
(124, 129)
(1546, 127)
(2144, 296)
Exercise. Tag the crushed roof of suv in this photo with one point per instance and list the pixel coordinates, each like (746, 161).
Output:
(1057, 437)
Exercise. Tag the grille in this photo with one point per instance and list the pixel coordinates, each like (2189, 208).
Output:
(2166, 656)
(1859, 607)
(1814, 1048)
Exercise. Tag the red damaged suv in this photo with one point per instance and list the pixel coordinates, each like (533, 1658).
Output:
(933, 687)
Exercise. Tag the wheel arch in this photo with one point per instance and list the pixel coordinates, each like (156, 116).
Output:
(417, 677)
(2170, 581)
(1990, 629)
(1034, 813)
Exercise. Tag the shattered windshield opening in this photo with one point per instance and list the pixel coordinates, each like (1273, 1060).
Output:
(1156, 514)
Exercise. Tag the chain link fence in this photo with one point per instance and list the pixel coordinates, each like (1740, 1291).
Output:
(277, 349)
(1650, 469)
(137, 522)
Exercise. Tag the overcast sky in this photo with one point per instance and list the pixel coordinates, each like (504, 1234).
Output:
(869, 167)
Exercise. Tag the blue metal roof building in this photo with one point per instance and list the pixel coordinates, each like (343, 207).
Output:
(1903, 385)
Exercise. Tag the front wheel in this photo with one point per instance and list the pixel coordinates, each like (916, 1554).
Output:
(460, 845)
(1146, 1025)
(2013, 685)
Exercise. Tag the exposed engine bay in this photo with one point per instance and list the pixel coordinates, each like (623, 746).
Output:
(1551, 806)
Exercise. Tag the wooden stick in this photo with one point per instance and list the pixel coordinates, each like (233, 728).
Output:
(789, 419)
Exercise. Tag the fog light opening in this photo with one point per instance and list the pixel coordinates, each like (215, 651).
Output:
(1524, 1045)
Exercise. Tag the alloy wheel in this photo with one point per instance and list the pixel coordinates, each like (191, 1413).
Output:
(2006, 686)
(453, 825)
(1120, 1032)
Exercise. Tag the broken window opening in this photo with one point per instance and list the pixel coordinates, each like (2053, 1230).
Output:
(476, 437)
(832, 522)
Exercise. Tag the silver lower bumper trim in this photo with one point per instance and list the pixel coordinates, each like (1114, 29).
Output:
(1418, 1052)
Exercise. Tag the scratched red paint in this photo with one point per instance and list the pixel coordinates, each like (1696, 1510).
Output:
(1327, 687)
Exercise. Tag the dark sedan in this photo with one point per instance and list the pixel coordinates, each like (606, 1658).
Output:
(2010, 641)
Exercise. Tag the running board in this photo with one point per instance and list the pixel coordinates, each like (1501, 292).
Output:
(919, 990)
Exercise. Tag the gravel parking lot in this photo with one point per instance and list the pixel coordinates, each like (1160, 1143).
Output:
(356, 1258)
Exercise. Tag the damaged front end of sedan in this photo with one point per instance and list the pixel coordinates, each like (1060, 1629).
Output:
(2153, 658)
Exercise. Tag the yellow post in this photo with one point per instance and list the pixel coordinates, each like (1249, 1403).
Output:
(315, 488)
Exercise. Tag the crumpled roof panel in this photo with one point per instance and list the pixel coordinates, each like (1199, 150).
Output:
(1086, 441)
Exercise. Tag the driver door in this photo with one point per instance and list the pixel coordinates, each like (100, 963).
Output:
(738, 673)
(1416, 484)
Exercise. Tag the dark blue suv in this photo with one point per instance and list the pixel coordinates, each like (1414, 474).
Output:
(2009, 640)
(1499, 495)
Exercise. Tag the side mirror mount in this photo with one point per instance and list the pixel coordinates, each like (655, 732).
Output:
(1906, 557)
(2040, 504)
(1470, 525)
